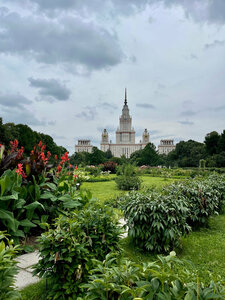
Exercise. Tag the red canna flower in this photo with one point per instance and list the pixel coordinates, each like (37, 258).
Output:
(20, 171)
(40, 144)
(48, 154)
(76, 168)
(14, 146)
(56, 157)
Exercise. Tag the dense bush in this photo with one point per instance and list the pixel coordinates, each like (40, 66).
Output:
(127, 178)
(8, 269)
(203, 197)
(19, 205)
(155, 221)
(68, 248)
(167, 278)
(110, 166)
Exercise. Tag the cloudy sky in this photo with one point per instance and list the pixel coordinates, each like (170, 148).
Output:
(64, 65)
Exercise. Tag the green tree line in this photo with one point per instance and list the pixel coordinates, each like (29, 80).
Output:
(27, 138)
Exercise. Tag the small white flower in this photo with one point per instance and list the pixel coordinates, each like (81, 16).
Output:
(172, 253)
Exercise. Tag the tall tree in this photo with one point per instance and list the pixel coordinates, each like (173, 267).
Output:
(212, 142)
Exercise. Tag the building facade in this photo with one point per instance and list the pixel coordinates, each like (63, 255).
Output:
(83, 146)
(125, 136)
(166, 146)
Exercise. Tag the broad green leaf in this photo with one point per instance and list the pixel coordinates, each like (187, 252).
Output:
(27, 223)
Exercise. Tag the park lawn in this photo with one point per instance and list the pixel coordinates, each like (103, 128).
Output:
(107, 189)
(204, 248)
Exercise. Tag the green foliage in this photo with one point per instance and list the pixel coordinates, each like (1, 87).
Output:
(147, 156)
(27, 137)
(127, 178)
(19, 206)
(186, 154)
(68, 248)
(167, 278)
(110, 166)
(97, 156)
(203, 198)
(155, 221)
(8, 268)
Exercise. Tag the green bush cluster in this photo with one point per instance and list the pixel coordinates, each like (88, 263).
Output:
(167, 278)
(156, 220)
(68, 248)
(127, 178)
(202, 196)
(8, 268)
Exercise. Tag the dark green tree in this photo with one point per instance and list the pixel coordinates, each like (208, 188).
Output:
(97, 156)
(108, 154)
(3, 139)
(26, 138)
(212, 142)
(149, 156)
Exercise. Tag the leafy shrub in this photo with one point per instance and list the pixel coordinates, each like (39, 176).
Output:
(67, 249)
(8, 268)
(127, 178)
(19, 205)
(155, 222)
(167, 278)
(93, 170)
(24, 207)
(203, 197)
(127, 183)
(110, 166)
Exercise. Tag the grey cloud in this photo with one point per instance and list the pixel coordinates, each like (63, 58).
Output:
(14, 100)
(107, 106)
(51, 87)
(66, 40)
(89, 113)
(186, 122)
(211, 11)
(109, 128)
(188, 113)
(112, 7)
(21, 115)
(52, 123)
(217, 108)
(214, 44)
(145, 105)
(193, 56)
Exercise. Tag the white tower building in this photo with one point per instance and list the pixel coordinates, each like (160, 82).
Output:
(125, 136)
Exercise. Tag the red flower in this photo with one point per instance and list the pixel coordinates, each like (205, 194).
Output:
(20, 171)
(40, 144)
(59, 168)
(56, 157)
(14, 145)
(75, 176)
(76, 168)
(48, 154)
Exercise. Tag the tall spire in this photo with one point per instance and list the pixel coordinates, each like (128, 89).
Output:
(125, 101)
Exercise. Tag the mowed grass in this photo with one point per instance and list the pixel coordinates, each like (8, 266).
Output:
(107, 189)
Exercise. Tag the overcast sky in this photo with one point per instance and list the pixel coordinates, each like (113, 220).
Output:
(64, 65)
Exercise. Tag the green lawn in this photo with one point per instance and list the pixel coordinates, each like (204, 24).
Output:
(108, 189)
